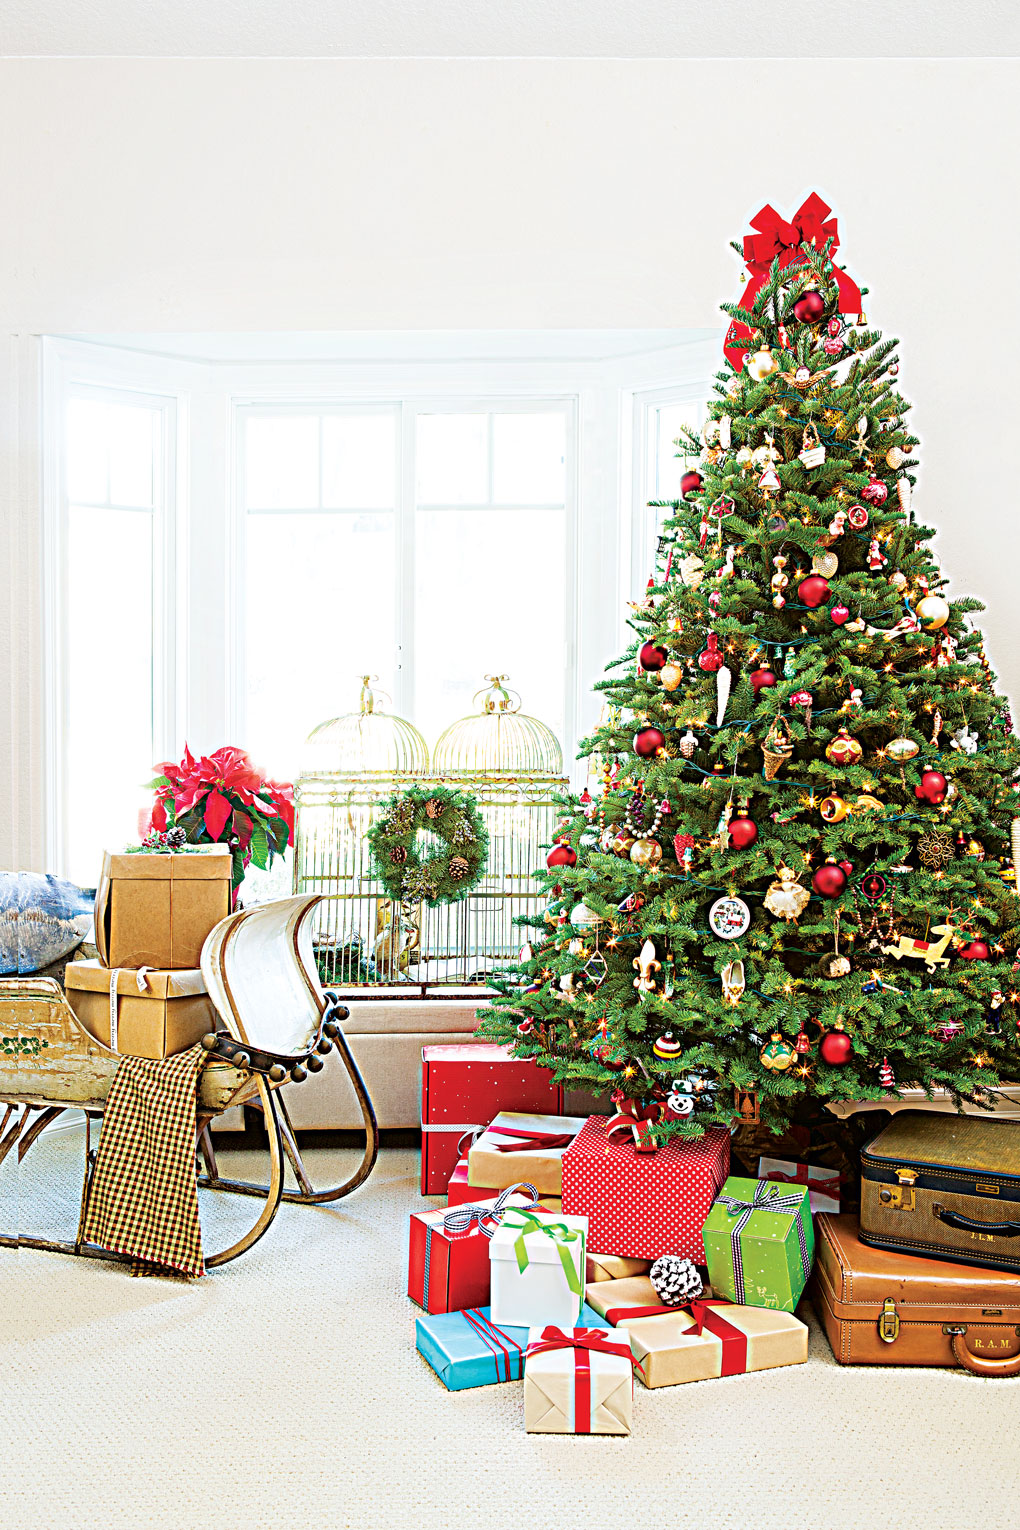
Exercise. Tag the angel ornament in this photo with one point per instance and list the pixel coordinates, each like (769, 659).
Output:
(785, 897)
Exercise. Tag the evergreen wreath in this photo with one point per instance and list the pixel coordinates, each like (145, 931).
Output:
(445, 875)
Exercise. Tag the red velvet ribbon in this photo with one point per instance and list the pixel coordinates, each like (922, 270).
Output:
(530, 1140)
(637, 1118)
(776, 238)
(828, 1186)
(582, 1341)
(734, 1342)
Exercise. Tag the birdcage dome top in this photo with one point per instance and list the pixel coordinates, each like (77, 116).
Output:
(368, 740)
(499, 739)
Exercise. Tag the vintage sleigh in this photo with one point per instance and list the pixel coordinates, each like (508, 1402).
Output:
(276, 1025)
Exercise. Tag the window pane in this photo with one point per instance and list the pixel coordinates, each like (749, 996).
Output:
(667, 469)
(132, 431)
(472, 621)
(453, 459)
(282, 462)
(320, 613)
(358, 461)
(528, 456)
(87, 437)
(109, 683)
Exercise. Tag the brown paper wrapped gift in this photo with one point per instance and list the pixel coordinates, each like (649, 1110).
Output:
(577, 1381)
(614, 1267)
(518, 1146)
(156, 910)
(706, 1338)
(159, 1013)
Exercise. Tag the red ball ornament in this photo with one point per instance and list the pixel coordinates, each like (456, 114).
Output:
(652, 656)
(977, 951)
(762, 680)
(813, 590)
(743, 831)
(839, 614)
(835, 1047)
(933, 787)
(690, 483)
(829, 880)
(561, 855)
(847, 867)
(809, 308)
(876, 492)
(710, 658)
(648, 741)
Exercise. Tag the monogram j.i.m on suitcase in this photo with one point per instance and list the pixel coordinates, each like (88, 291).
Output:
(880, 1308)
(944, 1186)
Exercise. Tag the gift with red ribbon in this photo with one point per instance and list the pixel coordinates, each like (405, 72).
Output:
(458, 1191)
(578, 1381)
(517, 1145)
(779, 239)
(823, 1184)
(635, 1119)
(448, 1251)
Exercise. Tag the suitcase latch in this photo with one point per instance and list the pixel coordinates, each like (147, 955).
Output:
(899, 1197)
(888, 1322)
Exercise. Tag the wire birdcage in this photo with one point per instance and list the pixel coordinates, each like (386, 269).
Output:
(513, 767)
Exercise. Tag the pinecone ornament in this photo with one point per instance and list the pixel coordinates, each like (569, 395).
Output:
(176, 839)
(675, 1280)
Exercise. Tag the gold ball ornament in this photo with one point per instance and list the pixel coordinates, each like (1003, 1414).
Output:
(933, 611)
(843, 750)
(833, 809)
(778, 1054)
(975, 849)
(622, 845)
(898, 580)
(902, 749)
(762, 364)
(670, 676)
(744, 456)
(646, 852)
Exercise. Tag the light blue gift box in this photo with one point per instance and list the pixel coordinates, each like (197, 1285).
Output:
(466, 1349)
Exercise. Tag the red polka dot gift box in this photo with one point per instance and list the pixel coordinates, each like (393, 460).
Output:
(643, 1204)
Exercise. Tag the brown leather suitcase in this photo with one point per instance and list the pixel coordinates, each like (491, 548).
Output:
(880, 1308)
(946, 1187)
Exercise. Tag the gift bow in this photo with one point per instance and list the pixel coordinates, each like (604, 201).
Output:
(462, 1218)
(733, 1339)
(561, 1234)
(530, 1140)
(765, 1199)
(824, 1184)
(637, 1118)
(583, 1342)
(779, 240)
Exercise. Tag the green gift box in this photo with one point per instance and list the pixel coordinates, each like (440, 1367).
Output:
(759, 1242)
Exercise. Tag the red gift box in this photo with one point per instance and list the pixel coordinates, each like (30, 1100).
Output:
(448, 1266)
(642, 1205)
(464, 1087)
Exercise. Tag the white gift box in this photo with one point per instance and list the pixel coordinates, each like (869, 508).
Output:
(823, 1184)
(537, 1268)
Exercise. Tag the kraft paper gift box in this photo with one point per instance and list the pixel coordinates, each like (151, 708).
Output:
(623, 1300)
(599, 1267)
(537, 1268)
(466, 1349)
(458, 1191)
(143, 1013)
(577, 1381)
(711, 1338)
(156, 909)
(463, 1086)
(517, 1146)
(823, 1184)
(759, 1241)
(448, 1252)
(642, 1204)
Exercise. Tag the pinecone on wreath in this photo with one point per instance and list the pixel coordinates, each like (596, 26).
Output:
(675, 1280)
(459, 868)
(398, 855)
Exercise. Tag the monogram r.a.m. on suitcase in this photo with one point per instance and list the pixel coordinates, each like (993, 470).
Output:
(881, 1308)
(944, 1186)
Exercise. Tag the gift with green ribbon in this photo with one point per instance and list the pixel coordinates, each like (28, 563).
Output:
(537, 1264)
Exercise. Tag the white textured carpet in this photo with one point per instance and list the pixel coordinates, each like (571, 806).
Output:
(284, 1391)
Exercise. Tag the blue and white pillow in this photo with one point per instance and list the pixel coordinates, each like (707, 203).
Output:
(42, 918)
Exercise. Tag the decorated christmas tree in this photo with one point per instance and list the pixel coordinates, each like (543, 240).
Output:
(793, 882)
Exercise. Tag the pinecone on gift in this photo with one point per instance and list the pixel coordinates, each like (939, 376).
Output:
(675, 1280)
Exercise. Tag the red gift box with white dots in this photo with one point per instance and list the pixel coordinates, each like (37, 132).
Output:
(641, 1205)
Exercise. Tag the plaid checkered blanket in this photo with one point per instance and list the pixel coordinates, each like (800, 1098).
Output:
(143, 1198)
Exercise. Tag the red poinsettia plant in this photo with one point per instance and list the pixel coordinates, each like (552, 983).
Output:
(221, 798)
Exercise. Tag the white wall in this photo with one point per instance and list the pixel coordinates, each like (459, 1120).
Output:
(267, 194)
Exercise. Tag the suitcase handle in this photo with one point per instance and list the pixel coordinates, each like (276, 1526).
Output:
(978, 1364)
(968, 1224)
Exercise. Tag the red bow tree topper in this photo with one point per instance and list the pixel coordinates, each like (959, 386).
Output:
(222, 798)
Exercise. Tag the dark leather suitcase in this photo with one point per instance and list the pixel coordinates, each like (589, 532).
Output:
(947, 1187)
(879, 1308)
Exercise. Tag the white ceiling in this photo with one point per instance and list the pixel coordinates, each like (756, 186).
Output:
(514, 28)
